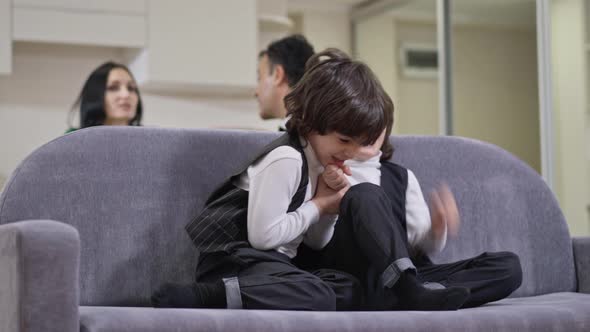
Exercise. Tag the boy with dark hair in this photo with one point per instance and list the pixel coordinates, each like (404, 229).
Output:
(283, 234)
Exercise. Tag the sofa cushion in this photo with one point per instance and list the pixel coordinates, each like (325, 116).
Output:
(558, 311)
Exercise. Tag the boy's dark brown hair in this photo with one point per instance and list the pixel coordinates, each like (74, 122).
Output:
(338, 94)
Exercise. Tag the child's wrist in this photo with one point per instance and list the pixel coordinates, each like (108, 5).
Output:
(331, 186)
(319, 204)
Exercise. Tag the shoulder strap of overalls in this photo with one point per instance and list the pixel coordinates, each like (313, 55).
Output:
(285, 139)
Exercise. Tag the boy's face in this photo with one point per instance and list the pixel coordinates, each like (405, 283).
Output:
(334, 148)
(267, 94)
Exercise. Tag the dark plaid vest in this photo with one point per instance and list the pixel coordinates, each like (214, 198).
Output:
(222, 225)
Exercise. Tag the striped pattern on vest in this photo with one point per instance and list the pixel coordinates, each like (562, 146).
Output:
(222, 225)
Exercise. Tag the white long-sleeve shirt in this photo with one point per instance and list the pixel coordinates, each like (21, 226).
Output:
(279, 173)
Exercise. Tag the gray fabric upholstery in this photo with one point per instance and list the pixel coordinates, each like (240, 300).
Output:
(129, 192)
(504, 205)
(10, 313)
(39, 277)
(553, 312)
(582, 258)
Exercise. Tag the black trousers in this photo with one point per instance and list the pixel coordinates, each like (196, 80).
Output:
(358, 268)
(369, 244)
(256, 279)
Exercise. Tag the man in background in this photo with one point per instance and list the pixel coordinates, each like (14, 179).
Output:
(280, 66)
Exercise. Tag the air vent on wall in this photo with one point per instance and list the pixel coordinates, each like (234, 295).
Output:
(419, 61)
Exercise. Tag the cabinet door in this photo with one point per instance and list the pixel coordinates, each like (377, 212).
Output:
(5, 38)
(113, 6)
(99, 23)
(206, 46)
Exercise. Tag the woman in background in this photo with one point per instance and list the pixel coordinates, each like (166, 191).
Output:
(109, 97)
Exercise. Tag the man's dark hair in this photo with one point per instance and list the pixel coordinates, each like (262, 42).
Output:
(338, 94)
(291, 53)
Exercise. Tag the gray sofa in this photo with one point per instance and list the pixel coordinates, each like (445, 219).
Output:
(92, 222)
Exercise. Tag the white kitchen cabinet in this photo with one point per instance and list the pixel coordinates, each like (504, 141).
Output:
(82, 22)
(199, 47)
(5, 38)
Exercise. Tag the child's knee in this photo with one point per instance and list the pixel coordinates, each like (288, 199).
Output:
(510, 269)
(514, 269)
(362, 193)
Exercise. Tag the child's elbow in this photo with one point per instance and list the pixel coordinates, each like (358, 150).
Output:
(260, 242)
(317, 246)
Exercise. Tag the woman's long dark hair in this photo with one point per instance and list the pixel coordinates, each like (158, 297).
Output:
(91, 98)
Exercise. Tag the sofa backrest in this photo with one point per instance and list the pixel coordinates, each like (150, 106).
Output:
(130, 191)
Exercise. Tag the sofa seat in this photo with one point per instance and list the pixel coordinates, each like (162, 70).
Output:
(552, 312)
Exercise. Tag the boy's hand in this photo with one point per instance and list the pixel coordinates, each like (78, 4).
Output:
(334, 176)
(327, 199)
(444, 212)
(370, 151)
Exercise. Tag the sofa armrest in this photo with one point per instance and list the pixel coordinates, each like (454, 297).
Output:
(582, 261)
(39, 263)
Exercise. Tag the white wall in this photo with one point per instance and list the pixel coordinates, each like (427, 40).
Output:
(35, 98)
(375, 45)
(273, 22)
(495, 88)
(571, 111)
(323, 26)
(326, 29)
(5, 37)
(418, 97)
(46, 79)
